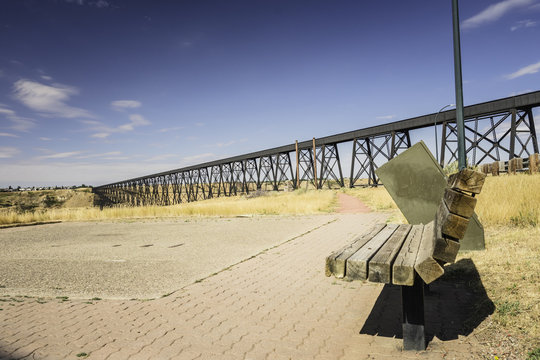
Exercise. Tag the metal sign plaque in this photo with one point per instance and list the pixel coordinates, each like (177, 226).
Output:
(416, 182)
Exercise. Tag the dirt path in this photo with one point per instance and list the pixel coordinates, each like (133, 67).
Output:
(351, 205)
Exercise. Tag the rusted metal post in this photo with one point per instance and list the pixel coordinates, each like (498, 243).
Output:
(315, 165)
(351, 183)
(512, 135)
(297, 166)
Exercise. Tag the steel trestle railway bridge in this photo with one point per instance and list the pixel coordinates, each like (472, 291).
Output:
(496, 130)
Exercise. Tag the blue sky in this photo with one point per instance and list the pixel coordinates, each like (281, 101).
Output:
(94, 91)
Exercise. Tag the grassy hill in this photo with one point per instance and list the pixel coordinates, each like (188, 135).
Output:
(40, 200)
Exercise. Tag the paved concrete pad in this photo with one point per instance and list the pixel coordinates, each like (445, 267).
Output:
(277, 305)
(144, 259)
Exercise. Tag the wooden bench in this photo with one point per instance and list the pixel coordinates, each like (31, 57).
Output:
(412, 255)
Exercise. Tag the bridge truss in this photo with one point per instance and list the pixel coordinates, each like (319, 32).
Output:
(495, 131)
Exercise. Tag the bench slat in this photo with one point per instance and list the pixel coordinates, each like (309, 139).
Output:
(426, 266)
(380, 265)
(357, 264)
(335, 262)
(403, 268)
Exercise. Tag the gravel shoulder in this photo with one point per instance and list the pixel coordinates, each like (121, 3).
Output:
(138, 259)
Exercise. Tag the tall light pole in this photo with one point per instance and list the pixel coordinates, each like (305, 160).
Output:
(459, 88)
(435, 125)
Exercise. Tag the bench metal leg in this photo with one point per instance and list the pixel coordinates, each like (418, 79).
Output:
(412, 300)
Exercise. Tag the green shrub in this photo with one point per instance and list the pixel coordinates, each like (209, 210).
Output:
(534, 354)
(525, 217)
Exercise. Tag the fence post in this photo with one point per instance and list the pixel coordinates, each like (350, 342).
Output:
(495, 168)
(534, 161)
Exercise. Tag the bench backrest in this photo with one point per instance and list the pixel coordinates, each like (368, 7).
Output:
(440, 241)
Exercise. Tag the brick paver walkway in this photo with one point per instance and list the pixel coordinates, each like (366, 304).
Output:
(277, 305)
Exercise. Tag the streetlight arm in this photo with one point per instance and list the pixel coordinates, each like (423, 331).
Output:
(435, 126)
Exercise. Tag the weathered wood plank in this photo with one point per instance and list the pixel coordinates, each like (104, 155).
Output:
(403, 268)
(512, 166)
(426, 266)
(502, 166)
(335, 262)
(467, 180)
(484, 168)
(495, 168)
(450, 224)
(380, 265)
(357, 264)
(534, 162)
(445, 249)
(459, 203)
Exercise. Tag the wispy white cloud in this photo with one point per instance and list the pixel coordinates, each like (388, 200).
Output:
(6, 111)
(138, 120)
(228, 143)
(48, 100)
(175, 128)
(120, 105)
(8, 152)
(21, 123)
(494, 12)
(8, 135)
(101, 135)
(514, 93)
(18, 123)
(527, 70)
(90, 122)
(116, 158)
(100, 155)
(99, 3)
(200, 124)
(386, 117)
(102, 131)
(75, 155)
(46, 77)
(162, 157)
(198, 157)
(523, 24)
(45, 138)
(61, 155)
(225, 144)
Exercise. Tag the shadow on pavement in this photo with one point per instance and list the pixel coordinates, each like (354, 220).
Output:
(455, 304)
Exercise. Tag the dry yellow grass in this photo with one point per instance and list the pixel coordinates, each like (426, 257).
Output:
(510, 272)
(375, 198)
(510, 200)
(505, 200)
(378, 199)
(293, 203)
